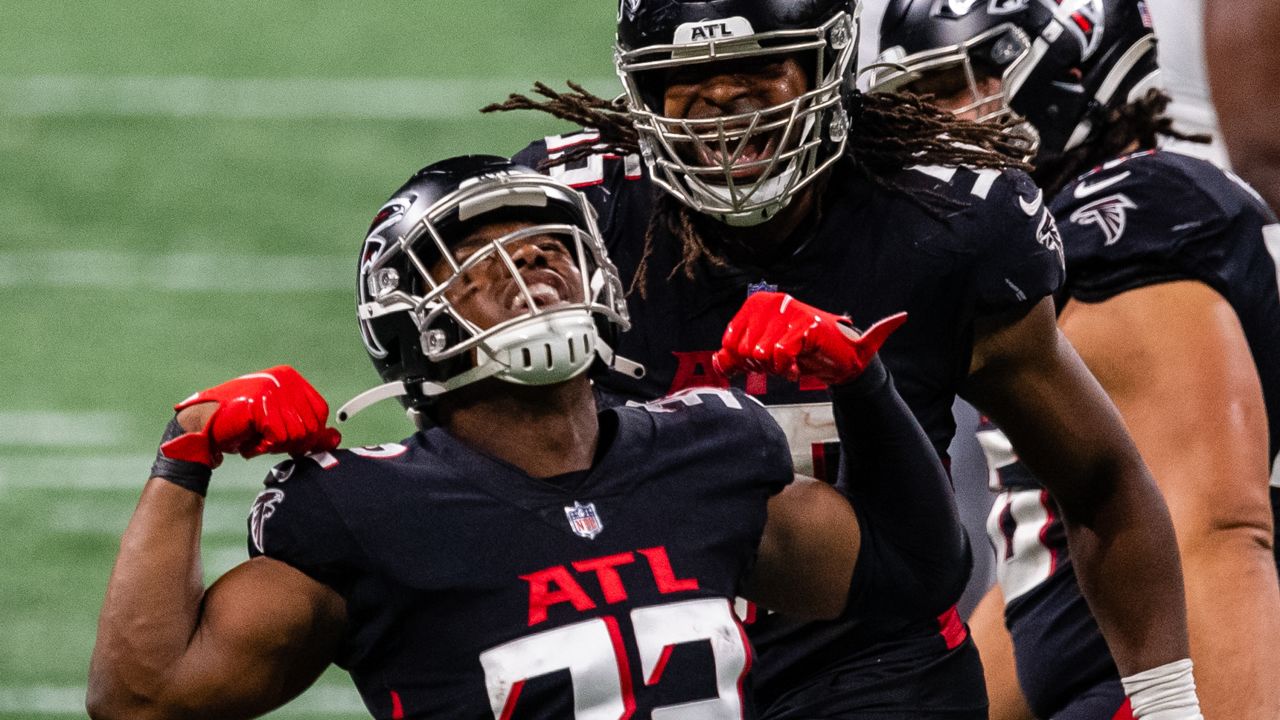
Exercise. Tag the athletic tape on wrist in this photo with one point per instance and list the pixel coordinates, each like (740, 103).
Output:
(1167, 692)
(183, 473)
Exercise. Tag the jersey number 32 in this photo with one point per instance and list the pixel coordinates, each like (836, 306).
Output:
(596, 658)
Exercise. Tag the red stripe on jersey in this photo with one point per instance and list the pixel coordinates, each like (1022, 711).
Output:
(510, 707)
(819, 451)
(589, 183)
(656, 675)
(624, 668)
(1049, 518)
(746, 666)
(397, 710)
(952, 628)
(577, 139)
(1125, 712)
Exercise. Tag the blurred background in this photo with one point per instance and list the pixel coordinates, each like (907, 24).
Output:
(184, 190)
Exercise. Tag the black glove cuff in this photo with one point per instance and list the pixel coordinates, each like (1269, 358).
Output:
(871, 379)
(192, 476)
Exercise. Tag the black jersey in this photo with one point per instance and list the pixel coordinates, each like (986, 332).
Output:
(475, 591)
(1139, 220)
(989, 247)
(1159, 216)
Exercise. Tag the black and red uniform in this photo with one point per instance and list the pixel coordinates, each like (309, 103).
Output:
(475, 591)
(1140, 220)
(968, 244)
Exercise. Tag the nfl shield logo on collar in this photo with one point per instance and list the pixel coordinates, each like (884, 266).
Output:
(583, 520)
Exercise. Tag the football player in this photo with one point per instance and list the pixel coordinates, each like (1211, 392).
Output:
(741, 158)
(1170, 298)
(522, 555)
(1243, 62)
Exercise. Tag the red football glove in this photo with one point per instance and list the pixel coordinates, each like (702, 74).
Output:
(275, 410)
(776, 334)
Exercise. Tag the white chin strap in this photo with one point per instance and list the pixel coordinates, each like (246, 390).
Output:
(767, 197)
(770, 192)
(542, 350)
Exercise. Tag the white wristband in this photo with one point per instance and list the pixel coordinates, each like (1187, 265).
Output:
(1167, 692)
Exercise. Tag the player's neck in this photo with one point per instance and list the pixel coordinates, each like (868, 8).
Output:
(765, 243)
(545, 430)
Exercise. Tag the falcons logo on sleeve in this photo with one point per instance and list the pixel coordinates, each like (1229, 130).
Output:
(1108, 214)
(264, 506)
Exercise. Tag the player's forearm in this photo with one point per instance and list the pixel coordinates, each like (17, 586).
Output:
(886, 456)
(1126, 559)
(1243, 61)
(1234, 626)
(152, 603)
(1217, 494)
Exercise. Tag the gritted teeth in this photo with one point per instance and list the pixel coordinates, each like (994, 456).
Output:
(543, 294)
(758, 150)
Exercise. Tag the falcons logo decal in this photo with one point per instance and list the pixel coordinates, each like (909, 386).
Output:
(1084, 19)
(1108, 214)
(264, 506)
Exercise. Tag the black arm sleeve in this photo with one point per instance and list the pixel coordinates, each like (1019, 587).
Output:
(914, 548)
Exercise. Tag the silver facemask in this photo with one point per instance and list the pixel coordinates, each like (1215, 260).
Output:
(540, 346)
(695, 160)
(1007, 46)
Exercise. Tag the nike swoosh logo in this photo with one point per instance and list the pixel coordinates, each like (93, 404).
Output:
(1084, 190)
(1033, 207)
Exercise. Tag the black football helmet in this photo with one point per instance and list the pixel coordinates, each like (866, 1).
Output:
(1063, 64)
(656, 36)
(420, 343)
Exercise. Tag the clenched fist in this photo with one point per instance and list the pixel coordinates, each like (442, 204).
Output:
(273, 411)
(776, 334)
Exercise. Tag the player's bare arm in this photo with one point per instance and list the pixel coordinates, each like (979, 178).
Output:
(1028, 378)
(1182, 387)
(1243, 60)
(807, 553)
(169, 648)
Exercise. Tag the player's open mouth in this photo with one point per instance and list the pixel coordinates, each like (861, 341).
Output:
(545, 287)
(750, 162)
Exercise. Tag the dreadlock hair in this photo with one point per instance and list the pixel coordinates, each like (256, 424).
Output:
(888, 133)
(1142, 121)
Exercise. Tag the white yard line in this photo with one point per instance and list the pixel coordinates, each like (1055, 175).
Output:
(44, 428)
(236, 273)
(112, 472)
(192, 96)
(87, 514)
(322, 700)
(207, 272)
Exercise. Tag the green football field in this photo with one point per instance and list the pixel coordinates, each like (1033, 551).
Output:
(185, 187)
